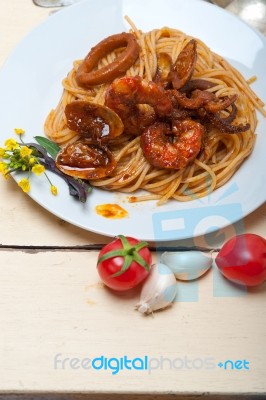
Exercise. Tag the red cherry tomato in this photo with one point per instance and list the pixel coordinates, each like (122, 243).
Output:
(124, 263)
(243, 259)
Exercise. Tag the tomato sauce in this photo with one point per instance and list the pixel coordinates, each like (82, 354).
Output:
(113, 211)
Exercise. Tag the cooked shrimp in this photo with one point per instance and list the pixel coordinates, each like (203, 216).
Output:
(172, 148)
(125, 94)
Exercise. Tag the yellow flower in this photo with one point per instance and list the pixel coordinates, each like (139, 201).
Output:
(3, 167)
(11, 144)
(24, 184)
(25, 151)
(2, 152)
(54, 190)
(32, 161)
(38, 169)
(4, 170)
(19, 131)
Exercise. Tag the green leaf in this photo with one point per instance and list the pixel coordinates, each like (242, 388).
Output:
(51, 147)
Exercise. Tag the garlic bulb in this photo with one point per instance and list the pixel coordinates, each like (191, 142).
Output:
(187, 265)
(159, 289)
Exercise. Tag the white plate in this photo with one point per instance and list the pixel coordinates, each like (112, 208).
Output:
(30, 84)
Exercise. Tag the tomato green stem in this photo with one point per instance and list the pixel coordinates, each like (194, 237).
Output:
(130, 254)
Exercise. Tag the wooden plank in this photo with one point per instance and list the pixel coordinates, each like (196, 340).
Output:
(53, 307)
(27, 223)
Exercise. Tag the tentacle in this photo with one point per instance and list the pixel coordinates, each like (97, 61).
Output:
(226, 127)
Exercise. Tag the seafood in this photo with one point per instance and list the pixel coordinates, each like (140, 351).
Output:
(85, 160)
(125, 94)
(198, 99)
(164, 66)
(184, 65)
(166, 112)
(86, 75)
(172, 148)
(193, 84)
(224, 124)
(220, 104)
(203, 98)
(93, 121)
(162, 125)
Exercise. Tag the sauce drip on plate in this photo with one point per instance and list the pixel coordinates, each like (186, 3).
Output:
(111, 211)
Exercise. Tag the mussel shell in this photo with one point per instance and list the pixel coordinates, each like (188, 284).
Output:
(92, 120)
(85, 160)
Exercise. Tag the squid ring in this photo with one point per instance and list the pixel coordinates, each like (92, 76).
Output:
(86, 75)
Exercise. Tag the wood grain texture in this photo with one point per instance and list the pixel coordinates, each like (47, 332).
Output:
(53, 304)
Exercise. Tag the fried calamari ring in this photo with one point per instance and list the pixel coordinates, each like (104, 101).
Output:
(86, 75)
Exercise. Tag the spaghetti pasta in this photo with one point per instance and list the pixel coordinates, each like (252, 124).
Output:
(222, 153)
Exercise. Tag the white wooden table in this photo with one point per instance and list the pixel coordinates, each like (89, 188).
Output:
(52, 306)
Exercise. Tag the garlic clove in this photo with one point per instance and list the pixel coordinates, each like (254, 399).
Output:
(187, 265)
(159, 289)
